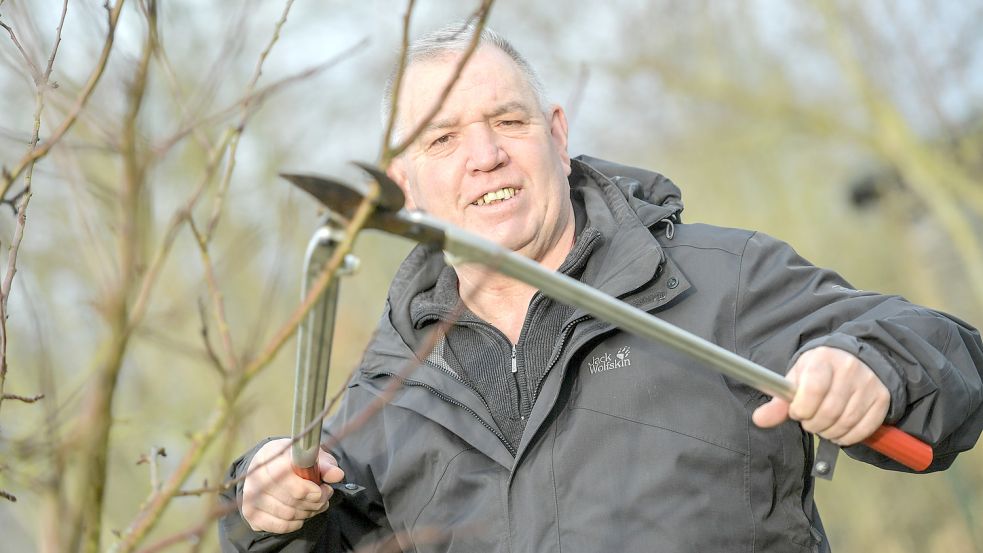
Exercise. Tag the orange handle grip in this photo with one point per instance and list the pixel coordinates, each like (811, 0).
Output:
(311, 473)
(900, 446)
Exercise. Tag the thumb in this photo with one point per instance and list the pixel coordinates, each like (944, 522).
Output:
(775, 412)
(771, 414)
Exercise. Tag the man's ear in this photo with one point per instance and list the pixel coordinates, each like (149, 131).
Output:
(397, 172)
(558, 131)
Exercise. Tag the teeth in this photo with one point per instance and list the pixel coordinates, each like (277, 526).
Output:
(503, 194)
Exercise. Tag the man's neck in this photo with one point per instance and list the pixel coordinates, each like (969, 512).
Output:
(503, 301)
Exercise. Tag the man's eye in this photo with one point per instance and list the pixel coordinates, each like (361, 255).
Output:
(441, 141)
(510, 123)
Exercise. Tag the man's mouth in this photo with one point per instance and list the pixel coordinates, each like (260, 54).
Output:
(496, 196)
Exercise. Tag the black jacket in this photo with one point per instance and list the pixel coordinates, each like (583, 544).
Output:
(630, 446)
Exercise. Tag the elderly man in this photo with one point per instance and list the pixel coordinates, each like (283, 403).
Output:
(533, 427)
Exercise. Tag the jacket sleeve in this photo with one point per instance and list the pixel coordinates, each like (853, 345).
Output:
(930, 362)
(347, 525)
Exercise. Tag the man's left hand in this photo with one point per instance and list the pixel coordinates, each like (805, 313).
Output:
(837, 397)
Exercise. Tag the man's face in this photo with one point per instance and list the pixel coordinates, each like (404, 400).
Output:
(490, 161)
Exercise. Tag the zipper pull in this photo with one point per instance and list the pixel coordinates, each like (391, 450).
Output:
(514, 368)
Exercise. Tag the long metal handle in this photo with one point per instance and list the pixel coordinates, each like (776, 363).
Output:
(890, 441)
(314, 338)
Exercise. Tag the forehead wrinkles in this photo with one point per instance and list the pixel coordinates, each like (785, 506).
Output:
(489, 79)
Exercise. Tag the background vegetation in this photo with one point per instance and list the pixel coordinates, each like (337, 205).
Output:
(158, 255)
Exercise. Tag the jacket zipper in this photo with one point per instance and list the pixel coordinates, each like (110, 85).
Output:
(452, 401)
(564, 336)
(518, 385)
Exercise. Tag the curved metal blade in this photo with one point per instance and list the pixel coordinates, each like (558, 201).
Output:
(342, 198)
(391, 196)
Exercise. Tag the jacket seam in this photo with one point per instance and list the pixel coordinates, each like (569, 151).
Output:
(556, 499)
(737, 287)
(706, 248)
(747, 485)
(967, 412)
(650, 425)
(436, 485)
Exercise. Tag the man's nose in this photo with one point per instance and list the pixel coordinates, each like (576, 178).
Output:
(484, 151)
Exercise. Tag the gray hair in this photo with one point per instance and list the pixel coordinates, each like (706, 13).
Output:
(456, 38)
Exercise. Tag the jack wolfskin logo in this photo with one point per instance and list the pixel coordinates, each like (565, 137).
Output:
(607, 362)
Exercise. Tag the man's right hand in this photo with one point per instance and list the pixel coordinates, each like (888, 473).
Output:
(274, 499)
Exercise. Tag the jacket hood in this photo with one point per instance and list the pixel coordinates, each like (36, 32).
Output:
(652, 196)
(624, 203)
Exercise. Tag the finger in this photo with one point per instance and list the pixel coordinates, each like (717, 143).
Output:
(852, 413)
(299, 493)
(264, 522)
(330, 472)
(815, 379)
(328, 492)
(872, 419)
(842, 389)
(271, 506)
(771, 414)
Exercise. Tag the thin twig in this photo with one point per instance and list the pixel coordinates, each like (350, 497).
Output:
(218, 303)
(392, 153)
(8, 284)
(398, 81)
(24, 399)
(194, 533)
(54, 49)
(209, 350)
(246, 111)
(35, 71)
(80, 102)
(170, 234)
(257, 97)
(151, 459)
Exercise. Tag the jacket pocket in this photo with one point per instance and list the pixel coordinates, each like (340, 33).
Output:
(625, 485)
(465, 508)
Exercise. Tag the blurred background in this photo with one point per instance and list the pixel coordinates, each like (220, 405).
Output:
(854, 131)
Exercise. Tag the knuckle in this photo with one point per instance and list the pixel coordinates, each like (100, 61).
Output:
(297, 493)
(816, 384)
(263, 522)
(803, 409)
(284, 526)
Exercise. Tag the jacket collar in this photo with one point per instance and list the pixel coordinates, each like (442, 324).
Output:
(627, 205)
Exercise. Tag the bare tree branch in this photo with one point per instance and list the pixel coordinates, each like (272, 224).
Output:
(96, 421)
(218, 303)
(80, 102)
(256, 98)
(35, 71)
(230, 162)
(215, 361)
(6, 286)
(387, 137)
(24, 197)
(193, 534)
(24, 399)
